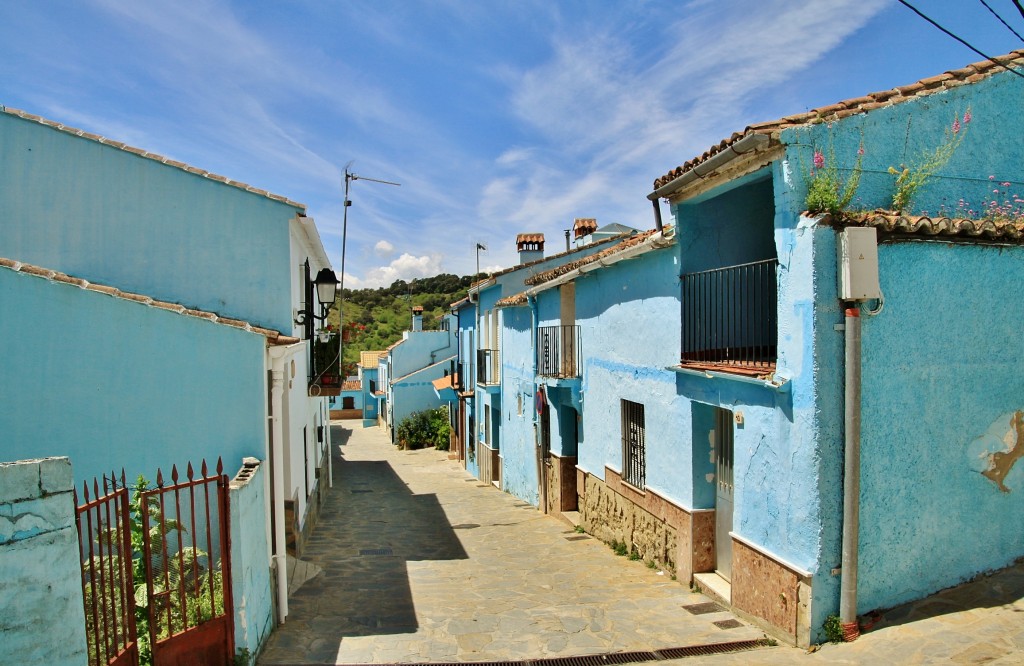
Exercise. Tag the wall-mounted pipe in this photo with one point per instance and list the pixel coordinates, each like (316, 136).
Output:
(851, 477)
(280, 551)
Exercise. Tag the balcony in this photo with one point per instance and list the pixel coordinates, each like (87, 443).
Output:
(488, 367)
(730, 319)
(325, 367)
(558, 352)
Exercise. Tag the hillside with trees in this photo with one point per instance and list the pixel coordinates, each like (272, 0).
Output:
(376, 318)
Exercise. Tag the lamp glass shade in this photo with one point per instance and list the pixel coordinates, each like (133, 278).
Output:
(326, 286)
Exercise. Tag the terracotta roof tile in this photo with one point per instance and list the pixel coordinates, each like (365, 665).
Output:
(273, 337)
(529, 264)
(636, 239)
(351, 386)
(147, 155)
(951, 79)
(530, 238)
(513, 300)
(369, 359)
(948, 228)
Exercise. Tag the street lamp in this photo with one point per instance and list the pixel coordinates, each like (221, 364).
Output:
(326, 285)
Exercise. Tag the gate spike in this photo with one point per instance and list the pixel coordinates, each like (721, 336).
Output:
(189, 473)
(85, 491)
(220, 466)
(74, 493)
(123, 484)
(205, 473)
(95, 487)
(159, 478)
(174, 473)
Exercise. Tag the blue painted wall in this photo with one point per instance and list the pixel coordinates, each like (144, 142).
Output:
(941, 375)
(149, 388)
(104, 214)
(518, 441)
(368, 375)
(415, 392)
(250, 575)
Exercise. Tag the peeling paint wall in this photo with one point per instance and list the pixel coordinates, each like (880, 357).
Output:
(40, 573)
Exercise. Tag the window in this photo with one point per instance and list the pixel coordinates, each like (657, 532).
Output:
(373, 386)
(633, 447)
(348, 403)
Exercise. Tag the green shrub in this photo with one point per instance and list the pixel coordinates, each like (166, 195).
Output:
(425, 429)
(833, 629)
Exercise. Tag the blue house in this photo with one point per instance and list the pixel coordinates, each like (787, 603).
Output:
(482, 341)
(695, 380)
(169, 298)
(412, 365)
(368, 382)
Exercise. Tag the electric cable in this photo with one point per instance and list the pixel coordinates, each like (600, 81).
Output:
(1001, 20)
(962, 40)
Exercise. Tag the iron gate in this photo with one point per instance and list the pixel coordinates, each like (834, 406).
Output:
(176, 571)
(105, 549)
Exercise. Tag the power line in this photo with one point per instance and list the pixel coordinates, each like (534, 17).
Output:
(1001, 20)
(960, 39)
(1020, 7)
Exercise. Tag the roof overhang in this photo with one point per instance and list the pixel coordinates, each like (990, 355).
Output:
(750, 146)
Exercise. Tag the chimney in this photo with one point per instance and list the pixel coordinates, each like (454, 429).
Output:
(530, 246)
(417, 318)
(582, 228)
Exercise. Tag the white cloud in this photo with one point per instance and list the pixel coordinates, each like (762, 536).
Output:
(383, 248)
(405, 267)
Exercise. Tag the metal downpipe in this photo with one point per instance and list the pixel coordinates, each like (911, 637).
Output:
(851, 478)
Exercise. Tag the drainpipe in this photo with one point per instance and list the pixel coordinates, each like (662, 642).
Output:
(851, 478)
(280, 554)
(542, 472)
(658, 224)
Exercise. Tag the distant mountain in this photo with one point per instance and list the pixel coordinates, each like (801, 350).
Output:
(376, 318)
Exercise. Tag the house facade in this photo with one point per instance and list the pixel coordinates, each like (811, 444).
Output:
(369, 383)
(685, 391)
(173, 295)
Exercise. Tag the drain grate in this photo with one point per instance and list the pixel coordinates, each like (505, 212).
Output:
(616, 657)
(713, 648)
(356, 491)
(376, 551)
(728, 624)
(703, 609)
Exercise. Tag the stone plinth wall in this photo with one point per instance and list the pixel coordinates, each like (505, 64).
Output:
(614, 512)
(346, 414)
(771, 592)
(43, 617)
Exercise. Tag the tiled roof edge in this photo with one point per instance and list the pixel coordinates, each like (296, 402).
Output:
(273, 337)
(949, 228)
(548, 258)
(511, 301)
(156, 157)
(632, 241)
(933, 84)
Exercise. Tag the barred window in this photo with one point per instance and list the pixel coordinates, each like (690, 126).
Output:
(633, 446)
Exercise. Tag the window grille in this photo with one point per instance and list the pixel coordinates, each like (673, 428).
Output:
(633, 444)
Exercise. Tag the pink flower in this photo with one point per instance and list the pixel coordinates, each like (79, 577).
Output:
(860, 149)
(991, 177)
(967, 116)
(819, 159)
(956, 125)
(1005, 184)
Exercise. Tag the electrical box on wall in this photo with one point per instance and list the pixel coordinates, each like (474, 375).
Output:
(858, 264)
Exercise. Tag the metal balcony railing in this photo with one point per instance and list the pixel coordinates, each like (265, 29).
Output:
(488, 367)
(325, 367)
(559, 352)
(730, 317)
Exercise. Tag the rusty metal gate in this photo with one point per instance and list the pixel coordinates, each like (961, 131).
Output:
(178, 573)
(105, 549)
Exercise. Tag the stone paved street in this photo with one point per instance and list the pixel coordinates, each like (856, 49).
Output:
(422, 564)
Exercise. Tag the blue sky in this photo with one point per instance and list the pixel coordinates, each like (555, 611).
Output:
(496, 117)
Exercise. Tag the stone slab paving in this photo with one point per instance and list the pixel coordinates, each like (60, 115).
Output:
(981, 622)
(423, 563)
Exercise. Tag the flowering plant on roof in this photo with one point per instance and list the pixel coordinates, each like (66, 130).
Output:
(827, 191)
(1002, 206)
(911, 178)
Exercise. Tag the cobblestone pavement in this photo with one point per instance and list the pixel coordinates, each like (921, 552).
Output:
(422, 563)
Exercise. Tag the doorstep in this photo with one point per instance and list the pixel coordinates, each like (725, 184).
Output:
(715, 587)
